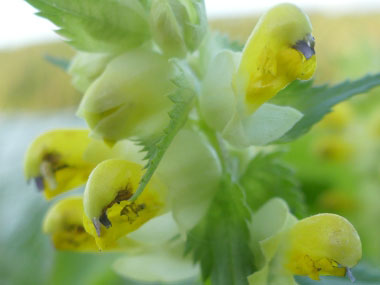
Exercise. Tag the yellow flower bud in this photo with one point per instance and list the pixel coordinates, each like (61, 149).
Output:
(324, 244)
(55, 161)
(108, 213)
(279, 51)
(64, 223)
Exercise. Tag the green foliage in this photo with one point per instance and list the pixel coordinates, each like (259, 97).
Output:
(97, 26)
(315, 102)
(183, 99)
(220, 241)
(266, 177)
(363, 273)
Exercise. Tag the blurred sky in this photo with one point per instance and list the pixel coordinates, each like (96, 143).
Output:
(19, 25)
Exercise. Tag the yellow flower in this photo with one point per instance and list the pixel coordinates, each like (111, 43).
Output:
(61, 160)
(324, 244)
(64, 223)
(108, 213)
(279, 51)
(55, 161)
(237, 86)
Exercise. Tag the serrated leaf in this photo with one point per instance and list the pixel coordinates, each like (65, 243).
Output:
(315, 102)
(220, 241)
(266, 177)
(363, 273)
(183, 98)
(97, 26)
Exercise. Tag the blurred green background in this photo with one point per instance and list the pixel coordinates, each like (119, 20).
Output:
(337, 163)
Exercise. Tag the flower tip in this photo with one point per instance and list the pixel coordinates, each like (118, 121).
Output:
(39, 182)
(306, 46)
(96, 224)
(350, 275)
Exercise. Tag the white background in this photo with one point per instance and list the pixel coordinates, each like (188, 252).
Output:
(19, 25)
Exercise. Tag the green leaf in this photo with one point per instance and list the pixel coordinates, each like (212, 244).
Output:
(97, 26)
(220, 241)
(363, 273)
(183, 99)
(266, 177)
(315, 102)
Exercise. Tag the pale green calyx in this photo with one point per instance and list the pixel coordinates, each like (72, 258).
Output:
(86, 67)
(129, 98)
(178, 26)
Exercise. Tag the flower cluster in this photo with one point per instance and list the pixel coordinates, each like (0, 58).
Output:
(151, 178)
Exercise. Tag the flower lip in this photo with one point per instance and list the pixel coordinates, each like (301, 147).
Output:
(306, 46)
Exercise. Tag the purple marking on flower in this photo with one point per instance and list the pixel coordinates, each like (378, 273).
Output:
(39, 181)
(350, 275)
(304, 47)
(105, 221)
(96, 223)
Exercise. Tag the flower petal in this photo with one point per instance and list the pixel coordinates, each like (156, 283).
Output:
(192, 172)
(267, 124)
(268, 227)
(218, 101)
(159, 265)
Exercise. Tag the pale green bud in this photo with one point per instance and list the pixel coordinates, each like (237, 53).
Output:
(130, 97)
(86, 67)
(218, 100)
(178, 25)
